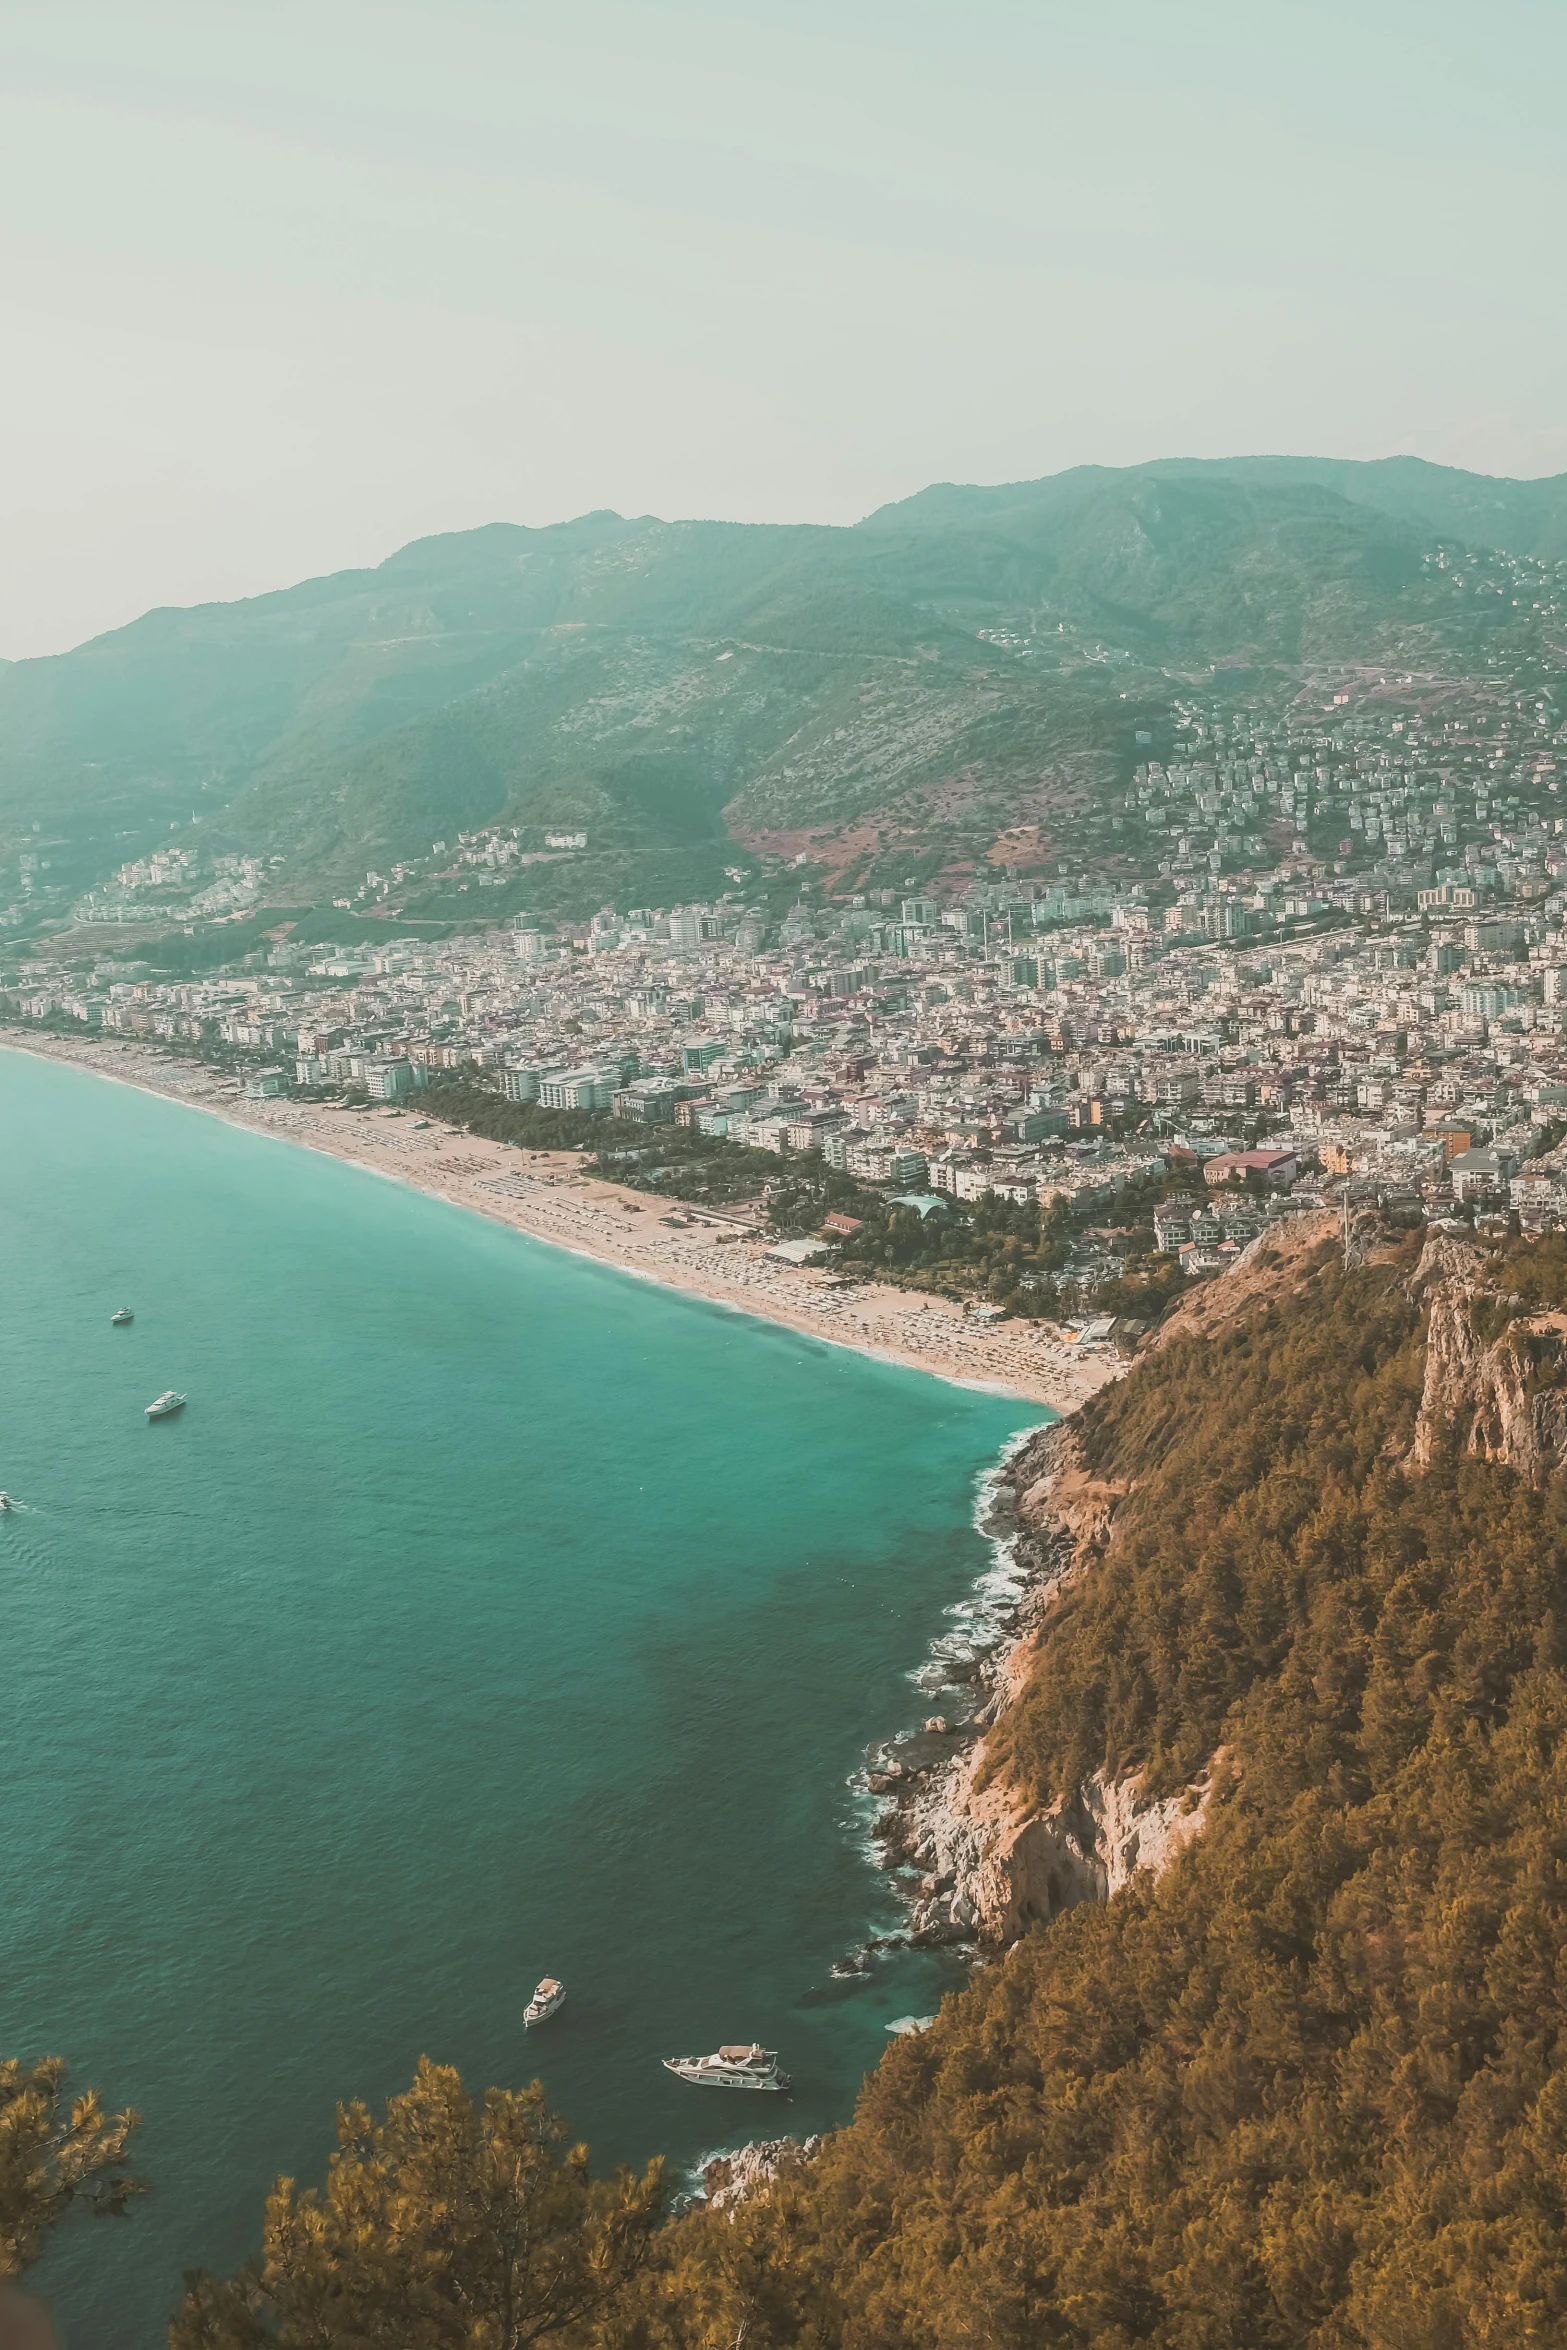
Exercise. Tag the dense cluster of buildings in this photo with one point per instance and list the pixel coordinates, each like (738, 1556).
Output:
(1343, 937)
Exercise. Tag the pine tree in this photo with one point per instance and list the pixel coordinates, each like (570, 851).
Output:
(51, 2157)
(444, 2227)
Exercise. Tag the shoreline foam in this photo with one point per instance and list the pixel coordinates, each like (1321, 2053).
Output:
(910, 1772)
(913, 1777)
(549, 1197)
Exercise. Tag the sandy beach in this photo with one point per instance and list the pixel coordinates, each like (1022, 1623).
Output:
(553, 1197)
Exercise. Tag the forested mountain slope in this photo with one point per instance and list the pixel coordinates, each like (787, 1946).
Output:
(1476, 509)
(1434, 501)
(668, 682)
(1309, 2085)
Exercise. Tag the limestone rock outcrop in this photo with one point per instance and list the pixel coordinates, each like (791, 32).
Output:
(1490, 1370)
(997, 1868)
(991, 1866)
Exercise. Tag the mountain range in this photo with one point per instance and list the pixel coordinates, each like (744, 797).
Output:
(969, 658)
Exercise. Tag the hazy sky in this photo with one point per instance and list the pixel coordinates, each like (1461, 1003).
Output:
(286, 285)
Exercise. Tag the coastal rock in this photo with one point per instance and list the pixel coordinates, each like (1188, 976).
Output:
(941, 1920)
(991, 1866)
(1012, 1868)
(729, 2178)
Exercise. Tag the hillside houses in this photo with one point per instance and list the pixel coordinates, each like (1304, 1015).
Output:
(1336, 947)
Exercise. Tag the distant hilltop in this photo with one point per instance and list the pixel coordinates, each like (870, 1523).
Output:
(967, 659)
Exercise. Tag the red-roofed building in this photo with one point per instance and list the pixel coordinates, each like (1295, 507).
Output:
(1278, 1168)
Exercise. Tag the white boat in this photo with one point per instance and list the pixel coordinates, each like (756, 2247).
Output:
(124, 1315)
(6, 1503)
(169, 1401)
(549, 1996)
(730, 2068)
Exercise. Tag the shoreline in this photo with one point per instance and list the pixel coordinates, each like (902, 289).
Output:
(550, 1197)
(913, 1776)
(909, 1777)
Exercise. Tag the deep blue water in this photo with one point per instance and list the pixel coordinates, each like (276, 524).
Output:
(487, 1613)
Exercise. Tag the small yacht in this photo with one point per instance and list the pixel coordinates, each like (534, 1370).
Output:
(6, 1503)
(549, 1996)
(124, 1315)
(731, 2068)
(169, 1401)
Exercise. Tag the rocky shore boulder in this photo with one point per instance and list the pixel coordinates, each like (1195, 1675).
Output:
(729, 2178)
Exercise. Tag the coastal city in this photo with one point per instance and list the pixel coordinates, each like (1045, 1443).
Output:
(1327, 953)
(783, 1175)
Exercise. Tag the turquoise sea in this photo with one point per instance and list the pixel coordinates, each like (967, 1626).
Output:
(487, 1613)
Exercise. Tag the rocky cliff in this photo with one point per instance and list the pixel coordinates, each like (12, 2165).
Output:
(995, 1869)
(983, 1865)
(1491, 1368)
(990, 1866)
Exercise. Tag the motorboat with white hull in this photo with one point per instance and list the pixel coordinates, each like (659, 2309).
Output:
(549, 1996)
(121, 1317)
(168, 1402)
(730, 2068)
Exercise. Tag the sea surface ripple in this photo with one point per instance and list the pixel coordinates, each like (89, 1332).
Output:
(486, 1613)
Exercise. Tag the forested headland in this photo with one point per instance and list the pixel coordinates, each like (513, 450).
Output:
(1304, 2087)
